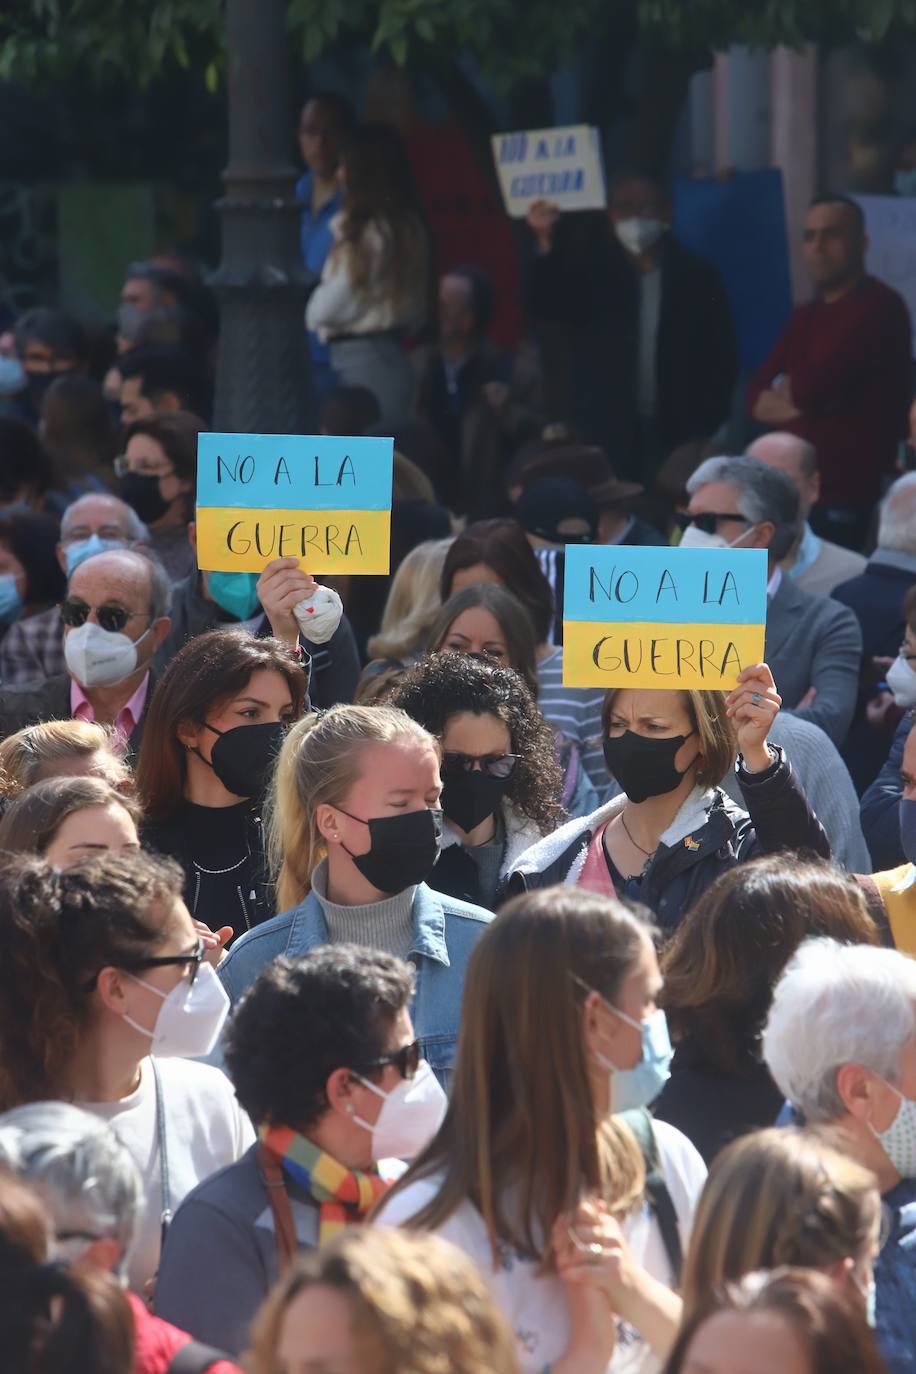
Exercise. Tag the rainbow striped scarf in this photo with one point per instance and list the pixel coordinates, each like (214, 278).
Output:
(344, 1195)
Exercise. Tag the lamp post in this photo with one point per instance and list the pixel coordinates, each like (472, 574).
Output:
(262, 382)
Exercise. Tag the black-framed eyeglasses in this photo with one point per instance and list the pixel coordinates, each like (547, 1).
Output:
(708, 520)
(492, 765)
(406, 1060)
(159, 961)
(74, 612)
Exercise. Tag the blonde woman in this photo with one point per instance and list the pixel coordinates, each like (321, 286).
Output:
(59, 748)
(381, 1302)
(530, 1174)
(414, 602)
(354, 833)
(779, 1197)
(671, 830)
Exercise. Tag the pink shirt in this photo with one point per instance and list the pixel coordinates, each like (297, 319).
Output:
(127, 717)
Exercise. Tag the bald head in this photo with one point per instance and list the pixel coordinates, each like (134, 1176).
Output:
(797, 459)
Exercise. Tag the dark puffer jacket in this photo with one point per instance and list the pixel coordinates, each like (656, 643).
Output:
(709, 835)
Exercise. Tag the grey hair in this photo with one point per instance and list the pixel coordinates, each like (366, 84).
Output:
(137, 533)
(764, 494)
(838, 1004)
(87, 1177)
(897, 523)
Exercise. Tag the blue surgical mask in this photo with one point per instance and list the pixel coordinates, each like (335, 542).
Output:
(10, 600)
(81, 549)
(639, 1086)
(905, 181)
(12, 376)
(908, 828)
(236, 593)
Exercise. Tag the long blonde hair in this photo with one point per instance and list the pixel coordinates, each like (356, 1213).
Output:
(418, 1305)
(779, 1196)
(318, 764)
(522, 1136)
(414, 601)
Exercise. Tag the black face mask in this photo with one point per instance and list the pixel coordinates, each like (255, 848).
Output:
(644, 767)
(143, 493)
(242, 758)
(468, 798)
(402, 849)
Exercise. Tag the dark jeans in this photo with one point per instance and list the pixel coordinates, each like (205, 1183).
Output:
(846, 525)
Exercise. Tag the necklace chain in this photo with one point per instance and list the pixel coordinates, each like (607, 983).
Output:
(648, 852)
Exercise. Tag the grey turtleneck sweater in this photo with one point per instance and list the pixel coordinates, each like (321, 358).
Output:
(387, 925)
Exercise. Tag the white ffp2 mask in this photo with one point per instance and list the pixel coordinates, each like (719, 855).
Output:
(411, 1115)
(100, 658)
(190, 1018)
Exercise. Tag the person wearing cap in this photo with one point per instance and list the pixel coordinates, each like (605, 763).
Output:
(554, 512)
(587, 464)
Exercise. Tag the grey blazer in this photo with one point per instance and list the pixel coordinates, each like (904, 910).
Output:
(812, 641)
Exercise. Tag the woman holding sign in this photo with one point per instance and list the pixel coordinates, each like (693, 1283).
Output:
(673, 831)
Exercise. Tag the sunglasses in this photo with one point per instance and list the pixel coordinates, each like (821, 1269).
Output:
(406, 1060)
(708, 520)
(491, 765)
(74, 613)
(159, 961)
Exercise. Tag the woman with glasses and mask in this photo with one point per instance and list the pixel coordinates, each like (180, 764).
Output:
(355, 831)
(671, 830)
(158, 477)
(500, 779)
(547, 1171)
(361, 1094)
(215, 726)
(105, 1001)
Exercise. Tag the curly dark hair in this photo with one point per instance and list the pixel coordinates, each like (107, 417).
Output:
(56, 931)
(338, 1002)
(443, 685)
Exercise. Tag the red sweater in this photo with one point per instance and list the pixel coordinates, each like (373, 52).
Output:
(849, 365)
(156, 1342)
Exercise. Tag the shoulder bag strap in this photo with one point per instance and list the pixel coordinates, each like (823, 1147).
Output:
(275, 1183)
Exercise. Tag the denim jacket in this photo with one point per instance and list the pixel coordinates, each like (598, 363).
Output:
(445, 931)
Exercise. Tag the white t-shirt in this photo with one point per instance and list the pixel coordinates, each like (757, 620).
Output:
(205, 1130)
(535, 1304)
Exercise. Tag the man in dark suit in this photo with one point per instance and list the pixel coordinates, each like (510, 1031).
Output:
(813, 645)
(636, 333)
(115, 617)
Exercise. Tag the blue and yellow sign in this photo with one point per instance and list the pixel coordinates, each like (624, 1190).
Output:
(659, 617)
(322, 499)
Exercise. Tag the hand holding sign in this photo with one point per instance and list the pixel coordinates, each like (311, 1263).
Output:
(282, 586)
(541, 218)
(753, 706)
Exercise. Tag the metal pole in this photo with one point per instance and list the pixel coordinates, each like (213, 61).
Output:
(262, 367)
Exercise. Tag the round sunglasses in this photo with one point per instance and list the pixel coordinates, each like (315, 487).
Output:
(111, 617)
(491, 765)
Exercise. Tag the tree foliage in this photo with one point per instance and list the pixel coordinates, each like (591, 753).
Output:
(511, 39)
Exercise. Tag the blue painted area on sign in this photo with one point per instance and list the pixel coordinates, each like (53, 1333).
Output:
(294, 472)
(610, 582)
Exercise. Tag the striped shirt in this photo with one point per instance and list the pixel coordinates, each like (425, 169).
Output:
(576, 713)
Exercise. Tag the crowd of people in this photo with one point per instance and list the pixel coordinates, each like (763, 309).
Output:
(371, 999)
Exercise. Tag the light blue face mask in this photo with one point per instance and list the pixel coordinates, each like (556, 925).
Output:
(10, 600)
(12, 376)
(77, 552)
(236, 593)
(639, 1086)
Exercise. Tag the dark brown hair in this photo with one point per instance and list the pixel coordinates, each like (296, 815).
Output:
(32, 819)
(824, 1315)
(723, 961)
(57, 930)
(207, 672)
(511, 617)
(175, 432)
(445, 685)
(380, 187)
(502, 546)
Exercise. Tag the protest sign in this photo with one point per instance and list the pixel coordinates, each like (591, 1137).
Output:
(890, 223)
(655, 617)
(560, 165)
(322, 499)
(739, 225)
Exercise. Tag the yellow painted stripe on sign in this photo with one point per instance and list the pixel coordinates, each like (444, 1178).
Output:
(655, 654)
(325, 541)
